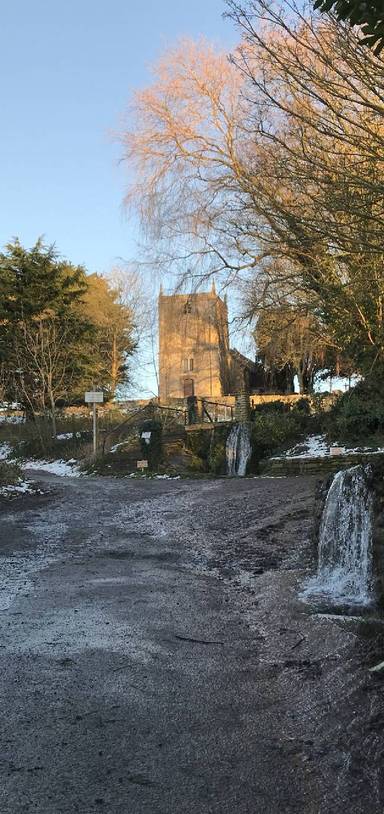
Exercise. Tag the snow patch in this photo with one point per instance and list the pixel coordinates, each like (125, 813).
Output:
(11, 419)
(23, 487)
(5, 451)
(63, 436)
(167, 477)
(63, 468)
(317, 446)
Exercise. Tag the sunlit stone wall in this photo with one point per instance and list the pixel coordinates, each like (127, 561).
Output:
(193, 346)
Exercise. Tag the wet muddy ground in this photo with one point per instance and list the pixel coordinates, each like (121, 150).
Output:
(156, 657)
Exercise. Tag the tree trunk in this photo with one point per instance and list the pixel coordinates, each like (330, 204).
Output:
(53, 413)
(308, 383)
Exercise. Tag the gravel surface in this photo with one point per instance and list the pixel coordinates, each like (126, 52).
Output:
(156, 657)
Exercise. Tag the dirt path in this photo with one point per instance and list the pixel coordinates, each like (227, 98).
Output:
(156, 658)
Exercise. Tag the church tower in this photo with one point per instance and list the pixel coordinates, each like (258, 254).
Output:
(193, 346)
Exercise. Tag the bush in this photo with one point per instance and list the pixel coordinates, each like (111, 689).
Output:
(196, 464)
(217, 460)
(270, 433)
(199, 442)
(208, 447)
(359, 413)
(10, 473)
(302, 406)
(267, 407)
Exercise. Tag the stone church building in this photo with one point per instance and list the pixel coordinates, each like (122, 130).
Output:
(194, 354)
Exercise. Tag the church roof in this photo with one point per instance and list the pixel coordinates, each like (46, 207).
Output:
(242, 360)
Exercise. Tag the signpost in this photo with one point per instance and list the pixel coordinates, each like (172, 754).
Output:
(94, 397)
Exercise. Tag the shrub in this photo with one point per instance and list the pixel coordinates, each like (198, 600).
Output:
(10, 473)
(196, 464)
(217, 460)
(359, 413)
(267, 407)
(208, 446)
(302, 406)
(270, 433)
(199, 442)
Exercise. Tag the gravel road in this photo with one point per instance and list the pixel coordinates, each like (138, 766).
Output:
(156, 657)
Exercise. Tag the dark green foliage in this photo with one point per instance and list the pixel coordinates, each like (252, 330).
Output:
(10, 473)
(302, 406)
(268, 407)
(152, 452)
(199, 442)
(46, 342)
(197, 465)
(272, 433)
(61, 331)
(208, 447)
(359, 414)
(217, 459)
(35, 281)
(370, 16)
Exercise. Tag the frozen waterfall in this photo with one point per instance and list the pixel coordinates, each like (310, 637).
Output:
(238, 450)
(345, 541)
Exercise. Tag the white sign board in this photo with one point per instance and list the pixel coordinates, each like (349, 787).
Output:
(142, 464)
(94, 397)
(146, 436)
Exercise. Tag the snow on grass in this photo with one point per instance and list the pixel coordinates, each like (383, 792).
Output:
(151, 476)
(317, 446)
(5, 451)
(166, 477)
(63, 468)
(58, 467)
(23, 487)
(63, 436)
(11, 419)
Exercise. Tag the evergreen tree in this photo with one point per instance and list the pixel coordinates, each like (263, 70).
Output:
(46, 340)
(61, 331)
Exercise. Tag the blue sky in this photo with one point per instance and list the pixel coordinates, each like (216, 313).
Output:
(67, 68)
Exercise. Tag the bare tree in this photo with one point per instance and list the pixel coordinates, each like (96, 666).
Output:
(136, 292)
(45, 371)
(184, 147)
(276, 156)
